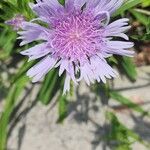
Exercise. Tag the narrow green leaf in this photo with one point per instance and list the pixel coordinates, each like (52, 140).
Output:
(127, 5)
(126, 65)
(129, 68)
(22, 70)
(127, 102)
(23, 6)
(62, 2)
(7, 42)
(13, 94)
(122, 136)
(63, 107)
(145, 3)
(8, 10)
(144, 19)
(50, 87)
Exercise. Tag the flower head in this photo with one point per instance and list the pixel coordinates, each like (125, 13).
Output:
(16, 22)
(78, 38)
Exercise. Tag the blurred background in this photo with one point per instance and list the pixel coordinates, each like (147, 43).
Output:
(113, 116)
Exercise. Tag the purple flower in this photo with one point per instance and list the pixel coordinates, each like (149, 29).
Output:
(16, 22)
(78, 38)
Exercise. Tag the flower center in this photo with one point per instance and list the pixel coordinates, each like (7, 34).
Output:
(75, 36)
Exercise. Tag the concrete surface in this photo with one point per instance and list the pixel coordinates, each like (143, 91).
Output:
(36, 128)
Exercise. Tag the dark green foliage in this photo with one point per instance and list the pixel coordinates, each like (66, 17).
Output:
(7, 42)
(143, 16)
(50, 87)
(119, 136)
(62, 2)
(127, 67)
(129, 4)
(13, 95)
(62, 108)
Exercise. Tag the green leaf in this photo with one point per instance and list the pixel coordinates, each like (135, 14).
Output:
(22, 70)
(63, 107)
(128, 67)
(7, 42)
(62, 2)
(127, 102)
(120, 134)
(24, 8)
(127, 5)
(50, 87)
(145, 37)
(112, 59)
(144, 19)
(145, 3)
(13, 95)
(7, 10)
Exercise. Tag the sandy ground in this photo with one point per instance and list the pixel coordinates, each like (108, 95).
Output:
(82, 130)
